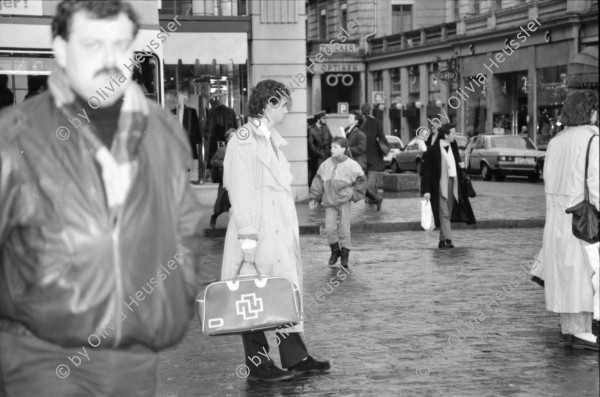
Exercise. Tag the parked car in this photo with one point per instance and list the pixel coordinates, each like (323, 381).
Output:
(411, 159)
(396, 146)
(501, 155)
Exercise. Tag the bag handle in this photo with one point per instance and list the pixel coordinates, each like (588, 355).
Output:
(239, 269)
(586, 191)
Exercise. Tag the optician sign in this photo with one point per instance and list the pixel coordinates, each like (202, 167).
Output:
(342, 67)
(21, 7)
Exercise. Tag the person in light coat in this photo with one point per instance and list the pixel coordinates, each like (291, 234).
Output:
(567, 272)
(263, 227)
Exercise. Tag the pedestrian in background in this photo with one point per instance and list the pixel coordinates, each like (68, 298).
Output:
(339, 182)
(373, 130)
(442, 183)
(263, 226)
(6, 95)
(567, 273)
(98, 224)
(319, 140)
(357, 145)
(222, 203)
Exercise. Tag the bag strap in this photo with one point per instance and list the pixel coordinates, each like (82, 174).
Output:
(586, 191)
(239, 269)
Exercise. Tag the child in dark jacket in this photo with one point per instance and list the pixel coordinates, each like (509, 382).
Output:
(339, 181)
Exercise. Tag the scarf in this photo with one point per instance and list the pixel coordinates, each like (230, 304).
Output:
(447, 159)
(119, 164)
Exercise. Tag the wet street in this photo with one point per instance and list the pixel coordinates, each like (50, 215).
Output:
(410, 320)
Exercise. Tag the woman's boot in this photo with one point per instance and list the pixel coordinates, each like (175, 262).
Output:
(374, 198)
(345, 255)
(335, 253)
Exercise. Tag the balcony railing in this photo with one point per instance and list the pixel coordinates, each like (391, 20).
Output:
(414, 38)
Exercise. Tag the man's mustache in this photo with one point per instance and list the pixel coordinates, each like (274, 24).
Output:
(109, 71)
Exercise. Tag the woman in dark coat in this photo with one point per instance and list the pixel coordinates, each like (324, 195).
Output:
(357, 144)
(442, 183)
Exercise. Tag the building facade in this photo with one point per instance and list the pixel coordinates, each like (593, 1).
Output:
(190, 54)
(488, 66)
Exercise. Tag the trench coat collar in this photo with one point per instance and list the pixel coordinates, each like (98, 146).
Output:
(267, 156)
(260, 126)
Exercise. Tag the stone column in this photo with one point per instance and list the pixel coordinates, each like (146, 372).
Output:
(404, 87)
(423, 92)
(387, 89)
(316, 91)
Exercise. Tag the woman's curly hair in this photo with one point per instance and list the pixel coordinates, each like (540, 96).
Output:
(266, 91)
(578, 107)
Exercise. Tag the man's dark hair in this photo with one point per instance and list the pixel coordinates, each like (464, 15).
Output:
(365, 108)
(578, 107)
(444, 130)
(358, 116)
(266, 91)
(96, 9)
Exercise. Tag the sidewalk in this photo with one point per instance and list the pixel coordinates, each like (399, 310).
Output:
(510, 204)
(410, 320)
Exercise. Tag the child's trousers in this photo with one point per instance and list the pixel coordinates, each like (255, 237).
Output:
(334, 233)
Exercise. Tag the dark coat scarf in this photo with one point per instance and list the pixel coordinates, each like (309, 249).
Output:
(430, 183)
(357, 145)
(373, 130)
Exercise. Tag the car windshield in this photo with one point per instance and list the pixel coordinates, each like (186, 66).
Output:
(461, 142)
(511, 142)
(394, 144)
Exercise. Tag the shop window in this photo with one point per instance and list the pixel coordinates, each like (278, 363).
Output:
(455, 9)
(205, 7)
(377, 81)
(28, 73)
(401, 18)
(551, 93)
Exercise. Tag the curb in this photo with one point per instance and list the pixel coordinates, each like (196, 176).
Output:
(386, 227)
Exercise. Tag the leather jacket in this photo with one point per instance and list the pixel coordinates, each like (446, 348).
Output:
(68, 274)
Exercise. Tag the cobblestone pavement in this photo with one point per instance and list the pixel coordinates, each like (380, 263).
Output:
(494, 201)
(410, 320)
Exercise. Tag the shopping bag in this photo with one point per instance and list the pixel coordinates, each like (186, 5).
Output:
(427, 221)
(247, 304)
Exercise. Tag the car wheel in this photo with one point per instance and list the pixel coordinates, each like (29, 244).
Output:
(395, 168)
(500, 177)
(534, 177)
(419, 167)
(486, 173)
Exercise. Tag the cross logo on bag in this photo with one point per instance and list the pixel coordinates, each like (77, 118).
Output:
(249, 306)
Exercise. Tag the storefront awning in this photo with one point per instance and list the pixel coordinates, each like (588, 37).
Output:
(205, 47)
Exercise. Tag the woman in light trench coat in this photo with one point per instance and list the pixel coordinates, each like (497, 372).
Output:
(565, 265)
(263, 226)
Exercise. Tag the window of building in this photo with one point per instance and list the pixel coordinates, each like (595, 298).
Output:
(377, 81)
(228, 8)
(344, 15)
(456, 9)
(401, 18)
(497, 5)
(323, 25)
(475, 7)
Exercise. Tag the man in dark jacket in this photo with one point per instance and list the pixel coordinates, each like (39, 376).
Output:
(319, 141)
(98, 225)
(373, 129)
